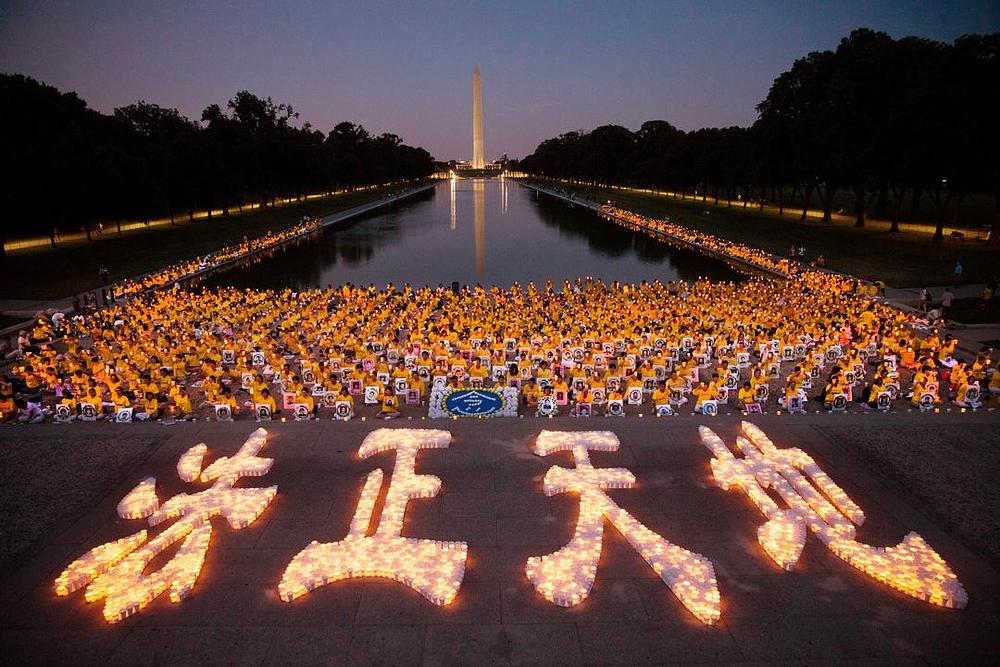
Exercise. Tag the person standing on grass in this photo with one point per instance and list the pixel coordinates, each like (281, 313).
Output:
(958, 271)
(946, 301)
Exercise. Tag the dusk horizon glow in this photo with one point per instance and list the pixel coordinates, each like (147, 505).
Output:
(408, 70)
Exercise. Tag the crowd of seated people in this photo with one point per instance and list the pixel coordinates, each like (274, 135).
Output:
(181, 271)
(706, 242)
(611, 348)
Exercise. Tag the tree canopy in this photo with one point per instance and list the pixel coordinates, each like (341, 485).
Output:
(71, 167)
(879, 117)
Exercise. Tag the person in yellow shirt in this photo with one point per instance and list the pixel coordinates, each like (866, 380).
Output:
(962, 399)
(181, 407)
(388, 405)
(225, 397)
(559, 385)
(746, 394)
(530, 393)
(69, 401)
(703, 392)
(661, 395)
(265, 399)
(8, 410)
(477, 370)
(146, 407)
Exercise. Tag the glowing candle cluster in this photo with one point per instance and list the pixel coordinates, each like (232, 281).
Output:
(115, 571)
(434, 569)
(566, 576)
(815, 501)
(190, 463)
(98, 560)
(141, 501)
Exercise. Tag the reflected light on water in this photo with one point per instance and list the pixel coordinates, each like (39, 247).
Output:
(439, 236)
(479, 205)
(454, 210)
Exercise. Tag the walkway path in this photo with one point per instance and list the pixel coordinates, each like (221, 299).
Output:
(794, 212)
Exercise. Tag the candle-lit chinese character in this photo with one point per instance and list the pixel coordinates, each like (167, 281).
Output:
(566, 576)
(432, 568)
(815, 502)
(115, 571)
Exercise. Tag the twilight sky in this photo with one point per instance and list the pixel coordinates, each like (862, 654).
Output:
(406, 67)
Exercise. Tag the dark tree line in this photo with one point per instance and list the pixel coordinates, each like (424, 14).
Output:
(70, 167)
(889, 121)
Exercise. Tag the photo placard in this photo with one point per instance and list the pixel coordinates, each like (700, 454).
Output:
(547, 406)
(62, 414)
(342, 410)
(634, 395)
(88, 412)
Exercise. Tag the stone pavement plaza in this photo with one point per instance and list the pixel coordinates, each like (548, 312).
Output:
(491, 497)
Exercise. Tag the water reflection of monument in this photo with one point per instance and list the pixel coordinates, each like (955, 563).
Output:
(454, 212)
(479, 218)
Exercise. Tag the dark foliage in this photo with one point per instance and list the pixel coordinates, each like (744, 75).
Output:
(70, 167)
(881, 118)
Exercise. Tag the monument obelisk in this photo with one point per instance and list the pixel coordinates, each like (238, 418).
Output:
(478, 160)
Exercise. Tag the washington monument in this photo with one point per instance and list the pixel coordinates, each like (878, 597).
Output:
(478, 160)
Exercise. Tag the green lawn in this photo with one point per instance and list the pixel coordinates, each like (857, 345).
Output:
(901, 259)
(48, 273)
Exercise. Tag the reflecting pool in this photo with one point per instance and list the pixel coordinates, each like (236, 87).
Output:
(487, 231)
